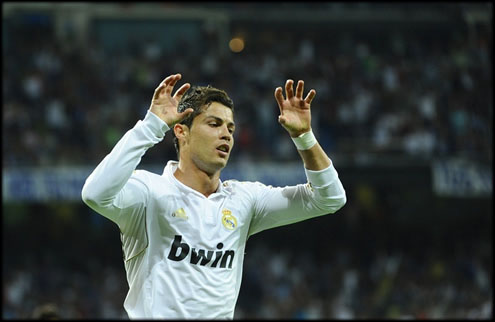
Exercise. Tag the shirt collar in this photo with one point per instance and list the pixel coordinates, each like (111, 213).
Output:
(172, 165)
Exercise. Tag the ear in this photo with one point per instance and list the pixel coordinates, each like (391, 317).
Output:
(181, 131)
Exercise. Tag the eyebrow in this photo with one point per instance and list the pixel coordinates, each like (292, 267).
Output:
(218, 119)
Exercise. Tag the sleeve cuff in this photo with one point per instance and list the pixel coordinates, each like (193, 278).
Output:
(321, 178)
(155, 124)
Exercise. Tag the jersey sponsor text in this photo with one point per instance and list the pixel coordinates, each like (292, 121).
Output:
(180, 250)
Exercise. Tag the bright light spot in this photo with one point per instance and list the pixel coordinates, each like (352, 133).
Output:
(236, 44)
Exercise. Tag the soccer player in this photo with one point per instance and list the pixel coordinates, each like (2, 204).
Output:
(184, 232)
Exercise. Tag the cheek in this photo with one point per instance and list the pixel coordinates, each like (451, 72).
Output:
(202, 140)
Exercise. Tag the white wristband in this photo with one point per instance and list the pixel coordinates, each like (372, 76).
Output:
(305, 141)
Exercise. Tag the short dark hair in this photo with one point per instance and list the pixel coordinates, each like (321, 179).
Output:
(198, 98)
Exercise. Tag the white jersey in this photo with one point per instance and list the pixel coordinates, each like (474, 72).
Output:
(183, 252)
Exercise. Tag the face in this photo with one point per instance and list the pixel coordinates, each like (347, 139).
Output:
(209, 140)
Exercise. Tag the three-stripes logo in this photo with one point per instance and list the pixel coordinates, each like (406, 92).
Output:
(180, 213)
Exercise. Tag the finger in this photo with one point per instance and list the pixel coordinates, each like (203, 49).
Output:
(310, 96)
(167, 80)
(299, 89)
(279, 97)
(289, 91)
(159, 90)
(181, 91)
(171, 82)
(186, 113)
(160, 87)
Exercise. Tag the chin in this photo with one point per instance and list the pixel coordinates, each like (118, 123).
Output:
(220, 165)
(212, 167)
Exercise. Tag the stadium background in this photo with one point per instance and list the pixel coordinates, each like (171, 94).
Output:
(404, 108)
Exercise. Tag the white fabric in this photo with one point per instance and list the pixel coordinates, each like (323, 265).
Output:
(305, 141)
(152, 211)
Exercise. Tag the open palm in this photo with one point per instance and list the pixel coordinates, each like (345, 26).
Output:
(295, 112)
(164, 105)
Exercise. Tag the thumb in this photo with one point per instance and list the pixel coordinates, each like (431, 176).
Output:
(281, 119)
(186, 113)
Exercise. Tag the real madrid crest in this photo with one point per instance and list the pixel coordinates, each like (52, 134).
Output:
(228, 220)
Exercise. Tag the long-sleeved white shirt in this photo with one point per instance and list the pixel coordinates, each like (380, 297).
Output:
(183, 252)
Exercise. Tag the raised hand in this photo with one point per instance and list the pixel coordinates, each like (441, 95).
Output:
(164, 105)
(295, 112)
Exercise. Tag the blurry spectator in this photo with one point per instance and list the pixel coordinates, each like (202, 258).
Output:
(424, 94)
(46, 312)
(353, 274)
(376, 86)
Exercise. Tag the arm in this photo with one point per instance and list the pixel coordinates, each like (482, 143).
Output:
(111, 187)
(279, 206)
(323, 195)
(295, 117)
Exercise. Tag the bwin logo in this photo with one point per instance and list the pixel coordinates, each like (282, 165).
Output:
(180, 250)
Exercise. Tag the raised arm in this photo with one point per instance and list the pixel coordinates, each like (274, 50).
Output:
(111, 187)
(295, 117)
(323, 195)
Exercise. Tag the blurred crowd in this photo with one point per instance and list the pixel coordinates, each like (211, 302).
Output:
(425, 93)
(359, 263)
(393, 285)
(289, 285)
(420, 92)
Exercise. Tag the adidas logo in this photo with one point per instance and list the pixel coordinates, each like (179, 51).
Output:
(180, 213)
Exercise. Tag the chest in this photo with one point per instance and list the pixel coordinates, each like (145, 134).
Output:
(202, 221)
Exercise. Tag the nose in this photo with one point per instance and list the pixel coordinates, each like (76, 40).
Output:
(225, 134)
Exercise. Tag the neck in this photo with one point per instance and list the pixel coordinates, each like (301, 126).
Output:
(193, 177)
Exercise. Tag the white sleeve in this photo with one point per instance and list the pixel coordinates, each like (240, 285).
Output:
(114, 189)
(277, 206)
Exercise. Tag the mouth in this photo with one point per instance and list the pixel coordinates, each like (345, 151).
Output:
(223, 150)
